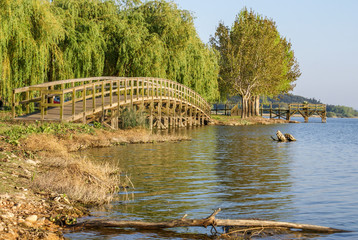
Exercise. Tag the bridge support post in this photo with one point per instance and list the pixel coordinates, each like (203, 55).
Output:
(114, 122)
(324, 119)
(84, 120)
(306, 119)
(306, 113)
(190, 119)
(151, 119)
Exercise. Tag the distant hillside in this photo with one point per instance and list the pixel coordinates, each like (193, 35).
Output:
(332, 110)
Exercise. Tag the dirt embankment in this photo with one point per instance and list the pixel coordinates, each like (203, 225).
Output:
(44, 186)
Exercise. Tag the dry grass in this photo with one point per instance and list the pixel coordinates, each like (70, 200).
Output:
(60, 145)
(61, 172)
(80, 179)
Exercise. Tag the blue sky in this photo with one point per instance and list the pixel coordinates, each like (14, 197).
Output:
(324, 35)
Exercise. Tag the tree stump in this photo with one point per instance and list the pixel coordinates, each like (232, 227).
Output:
(289, 137)
(280, 136)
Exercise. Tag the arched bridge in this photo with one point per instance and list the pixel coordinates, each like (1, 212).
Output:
(167, 103)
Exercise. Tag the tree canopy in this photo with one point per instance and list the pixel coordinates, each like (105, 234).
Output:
(43, 40)
(254, 59)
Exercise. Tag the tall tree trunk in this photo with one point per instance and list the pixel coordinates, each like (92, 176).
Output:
(254, 104)
(244, 112)
(257, 105)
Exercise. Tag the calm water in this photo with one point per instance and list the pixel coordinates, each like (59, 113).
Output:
(241, 170)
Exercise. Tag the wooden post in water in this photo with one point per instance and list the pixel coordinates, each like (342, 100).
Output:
(306, 113)
(279, 111)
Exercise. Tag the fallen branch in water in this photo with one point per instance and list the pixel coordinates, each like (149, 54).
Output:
(209, 221)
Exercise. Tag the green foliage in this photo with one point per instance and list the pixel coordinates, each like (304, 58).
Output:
(97, 125)
(254, 58)
(342, 111)
(331, 114)
(131, 117)
(43, 40)
(28, 30)
(156, 39)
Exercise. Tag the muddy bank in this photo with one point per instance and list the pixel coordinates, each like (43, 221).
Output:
(44, 186)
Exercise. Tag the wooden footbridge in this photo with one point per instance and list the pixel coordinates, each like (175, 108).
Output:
(288, 110)
(165, 102)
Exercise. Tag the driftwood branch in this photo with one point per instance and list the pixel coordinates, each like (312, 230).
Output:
(209, 221)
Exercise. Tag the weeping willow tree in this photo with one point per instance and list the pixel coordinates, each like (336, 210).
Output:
(157, 39)
(43, 40)
(28, 30)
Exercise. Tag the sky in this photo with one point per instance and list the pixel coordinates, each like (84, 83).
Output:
(323, 33)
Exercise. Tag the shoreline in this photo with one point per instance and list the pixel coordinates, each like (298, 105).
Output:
(36, 201)
(43, 182)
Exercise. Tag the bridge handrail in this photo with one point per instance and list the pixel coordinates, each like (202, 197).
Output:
(132, 88)
(294, 106)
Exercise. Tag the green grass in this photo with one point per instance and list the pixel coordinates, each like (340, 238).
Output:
(14, 132)
(224, 118)
(231, 119)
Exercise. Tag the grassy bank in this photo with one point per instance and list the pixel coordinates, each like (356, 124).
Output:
(42, 177)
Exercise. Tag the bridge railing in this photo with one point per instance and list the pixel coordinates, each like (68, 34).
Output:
(303, 106)
(119, 90)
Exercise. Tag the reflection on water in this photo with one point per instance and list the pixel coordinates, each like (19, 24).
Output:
(252, 171)
(241, 170)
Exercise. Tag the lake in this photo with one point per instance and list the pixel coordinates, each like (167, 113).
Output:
(242, 171)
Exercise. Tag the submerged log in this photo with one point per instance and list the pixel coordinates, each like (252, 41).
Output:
(209, 221)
